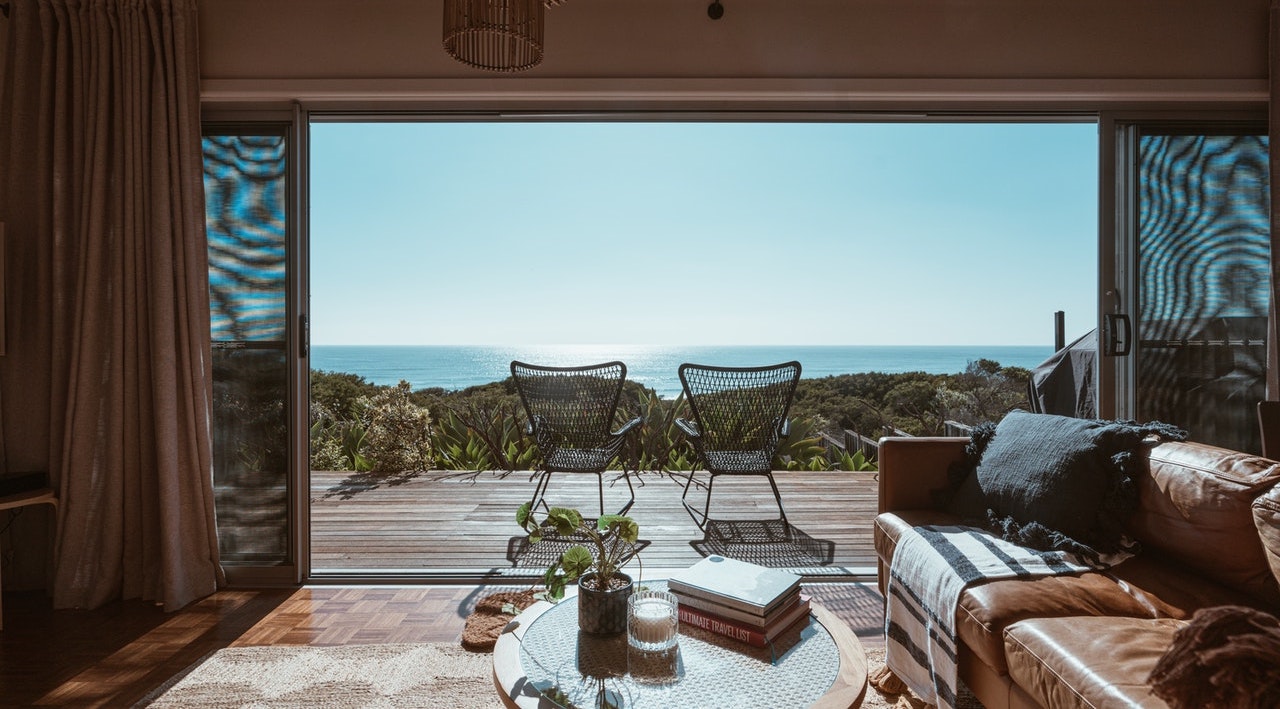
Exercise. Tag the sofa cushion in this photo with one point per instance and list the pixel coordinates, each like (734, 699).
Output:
(1142, 587)
(1138, 588)
(1088, 662)
(1195, 505)
(1054, 482)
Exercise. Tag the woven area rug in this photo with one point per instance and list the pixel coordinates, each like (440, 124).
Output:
(395, 675)
(399, 675)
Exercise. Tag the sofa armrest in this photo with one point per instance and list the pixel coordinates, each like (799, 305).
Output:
(912, 468)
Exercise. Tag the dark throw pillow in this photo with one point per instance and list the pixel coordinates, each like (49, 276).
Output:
(1054, 482)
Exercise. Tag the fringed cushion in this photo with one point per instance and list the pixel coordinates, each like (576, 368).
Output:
(1053, 482)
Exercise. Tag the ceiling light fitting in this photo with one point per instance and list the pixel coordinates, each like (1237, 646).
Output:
(496, 35)
(715, 10)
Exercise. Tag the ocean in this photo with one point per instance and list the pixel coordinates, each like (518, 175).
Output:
(458, 367)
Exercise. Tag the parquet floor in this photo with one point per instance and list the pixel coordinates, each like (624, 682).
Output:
(118, 654)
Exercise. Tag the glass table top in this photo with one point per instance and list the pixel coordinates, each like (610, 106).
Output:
(704, 669)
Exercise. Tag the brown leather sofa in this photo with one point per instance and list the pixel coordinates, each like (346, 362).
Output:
(1209, 523)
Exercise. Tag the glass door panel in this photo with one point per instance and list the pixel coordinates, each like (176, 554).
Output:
(245, 176)
(1203, 252)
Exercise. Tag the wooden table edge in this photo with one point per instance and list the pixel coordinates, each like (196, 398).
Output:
(850, 686)
(846, 692)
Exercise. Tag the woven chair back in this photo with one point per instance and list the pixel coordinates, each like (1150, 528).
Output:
(574, 405)
(740, 408)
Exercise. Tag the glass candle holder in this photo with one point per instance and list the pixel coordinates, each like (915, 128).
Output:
(652, 620)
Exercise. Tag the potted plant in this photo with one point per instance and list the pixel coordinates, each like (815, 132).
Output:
(596, 565)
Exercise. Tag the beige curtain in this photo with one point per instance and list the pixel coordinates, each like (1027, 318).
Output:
(106, 380)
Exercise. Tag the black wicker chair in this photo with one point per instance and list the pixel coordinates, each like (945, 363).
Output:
(571, 412)
(739, 419)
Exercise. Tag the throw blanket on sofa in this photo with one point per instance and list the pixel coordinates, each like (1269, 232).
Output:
(931, 566)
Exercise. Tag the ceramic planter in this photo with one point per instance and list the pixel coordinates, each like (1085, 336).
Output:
(603, 612)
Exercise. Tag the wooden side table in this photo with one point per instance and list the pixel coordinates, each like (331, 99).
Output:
(41, 496)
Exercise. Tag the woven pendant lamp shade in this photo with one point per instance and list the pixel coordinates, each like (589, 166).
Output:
(498, 35)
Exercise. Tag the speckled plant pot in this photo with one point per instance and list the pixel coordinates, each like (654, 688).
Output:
(603, 612)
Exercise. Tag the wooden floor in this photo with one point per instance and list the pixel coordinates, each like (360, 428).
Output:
(119, 654)
(434, 523)
(425, 526)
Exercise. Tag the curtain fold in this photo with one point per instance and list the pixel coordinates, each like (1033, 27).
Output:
(107, 379)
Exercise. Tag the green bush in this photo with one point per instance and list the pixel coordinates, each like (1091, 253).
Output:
(361, 426)
(397, 436)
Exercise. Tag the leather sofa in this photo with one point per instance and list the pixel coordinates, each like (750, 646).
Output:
(1209, 524)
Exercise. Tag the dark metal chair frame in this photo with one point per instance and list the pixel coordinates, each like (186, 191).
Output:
(739, 420)
(571, 411)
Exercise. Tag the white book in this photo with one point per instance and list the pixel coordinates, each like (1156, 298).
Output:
(737, 584)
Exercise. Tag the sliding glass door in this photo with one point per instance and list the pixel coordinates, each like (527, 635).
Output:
(1196, 251)
(247, 180)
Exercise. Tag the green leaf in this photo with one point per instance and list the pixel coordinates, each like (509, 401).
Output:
(555, 588)
(566, 521)
(625, 527)
(522, 515)
(576, 561)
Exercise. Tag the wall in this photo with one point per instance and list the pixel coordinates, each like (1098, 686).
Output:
(843, 52)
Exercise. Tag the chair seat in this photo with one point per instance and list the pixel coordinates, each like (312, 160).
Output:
(755, 461)
(580, 460)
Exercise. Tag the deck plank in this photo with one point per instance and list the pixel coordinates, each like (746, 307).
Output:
(441, 522)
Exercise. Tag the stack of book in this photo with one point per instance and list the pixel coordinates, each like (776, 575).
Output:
(739, 600)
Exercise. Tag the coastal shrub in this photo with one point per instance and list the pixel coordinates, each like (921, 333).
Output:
(658, 444)
(398, 431)
(854, 462)
(481, 427)
(336, 442)
(340, 395)
(326, 449)
(473, 438)
(802, 449)
(985, 391)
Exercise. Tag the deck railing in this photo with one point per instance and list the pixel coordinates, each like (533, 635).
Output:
(870, 447)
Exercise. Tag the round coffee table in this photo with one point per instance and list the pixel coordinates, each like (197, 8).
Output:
(821, 664)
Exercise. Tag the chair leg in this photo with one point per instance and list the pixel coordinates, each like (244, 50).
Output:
(786, 526)
(694, 514)
(631, 499)
(539, 492)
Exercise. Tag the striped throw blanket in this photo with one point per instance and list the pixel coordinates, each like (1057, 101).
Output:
(931, 566)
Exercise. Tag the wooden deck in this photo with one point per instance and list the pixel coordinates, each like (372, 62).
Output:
(442, 525)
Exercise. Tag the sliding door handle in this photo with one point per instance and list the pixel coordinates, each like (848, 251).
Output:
(1117, 335)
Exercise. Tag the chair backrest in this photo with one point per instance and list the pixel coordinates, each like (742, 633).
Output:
(575, 404)
(739, 408)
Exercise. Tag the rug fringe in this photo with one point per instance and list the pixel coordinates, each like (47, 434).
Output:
(886, 681)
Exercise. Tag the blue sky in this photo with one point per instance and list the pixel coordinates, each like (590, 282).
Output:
(702, 233)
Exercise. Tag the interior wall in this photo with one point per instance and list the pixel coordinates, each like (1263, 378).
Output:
(297, 48)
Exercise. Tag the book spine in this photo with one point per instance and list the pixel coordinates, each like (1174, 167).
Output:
(720, 626)
(720, 610)
(714, 597)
